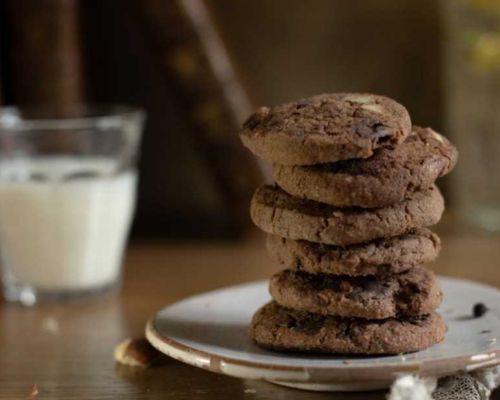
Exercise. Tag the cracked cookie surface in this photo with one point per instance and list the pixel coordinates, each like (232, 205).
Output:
(326, 128)
(276, 212)
(410, 293)
(278, 328)
(381, 256)
(388, 177)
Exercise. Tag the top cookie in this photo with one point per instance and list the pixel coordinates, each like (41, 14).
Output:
(326, 128)
(388, 177)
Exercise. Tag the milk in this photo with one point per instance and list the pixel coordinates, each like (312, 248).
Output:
(64, 221)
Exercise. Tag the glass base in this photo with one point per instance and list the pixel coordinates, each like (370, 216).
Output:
(28, 295)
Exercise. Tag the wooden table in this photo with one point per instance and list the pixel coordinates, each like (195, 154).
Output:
(67, 350)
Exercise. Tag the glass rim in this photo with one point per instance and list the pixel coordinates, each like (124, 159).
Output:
(87, 116)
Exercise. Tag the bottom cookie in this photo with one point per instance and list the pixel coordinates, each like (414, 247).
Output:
(278, 328)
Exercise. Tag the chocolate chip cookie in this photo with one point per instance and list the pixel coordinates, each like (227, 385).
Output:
(276, 212)
(326, 128)
(278, 328)
(381, 256)
(413, 292)
(388, 177)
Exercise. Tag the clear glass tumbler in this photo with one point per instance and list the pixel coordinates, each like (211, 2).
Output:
(67, 197)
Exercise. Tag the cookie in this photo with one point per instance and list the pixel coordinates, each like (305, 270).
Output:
(413, 292)
(326, 128)
(381, 256)
(278, 328)
(276, 212)
(388, 177)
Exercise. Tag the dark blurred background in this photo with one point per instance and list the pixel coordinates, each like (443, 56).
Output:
(199, 68)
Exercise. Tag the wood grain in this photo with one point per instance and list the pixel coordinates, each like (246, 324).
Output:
(67, 350)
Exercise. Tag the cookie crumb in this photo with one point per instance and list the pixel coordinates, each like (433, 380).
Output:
(136, 353)
(479, 310)
(51, 325)
(33, 394)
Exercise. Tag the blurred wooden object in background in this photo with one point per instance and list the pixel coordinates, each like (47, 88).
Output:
(41, 52)
(195, 59)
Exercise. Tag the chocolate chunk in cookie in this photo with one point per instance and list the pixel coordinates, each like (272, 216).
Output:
(326, 128)
(388, 177)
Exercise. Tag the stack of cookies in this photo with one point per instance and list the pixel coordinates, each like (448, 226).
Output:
(347, 219)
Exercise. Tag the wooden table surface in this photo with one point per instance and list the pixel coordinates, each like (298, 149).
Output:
(67, 350)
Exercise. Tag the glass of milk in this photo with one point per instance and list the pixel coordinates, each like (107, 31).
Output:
(67, 196)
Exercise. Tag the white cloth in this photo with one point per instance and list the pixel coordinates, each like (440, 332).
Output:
(476, 385)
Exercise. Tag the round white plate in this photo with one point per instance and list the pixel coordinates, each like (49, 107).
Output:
(210, 331)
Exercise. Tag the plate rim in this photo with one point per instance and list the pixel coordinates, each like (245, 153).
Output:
(339, 373)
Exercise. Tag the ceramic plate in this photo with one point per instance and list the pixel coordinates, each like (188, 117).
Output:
(211, 331)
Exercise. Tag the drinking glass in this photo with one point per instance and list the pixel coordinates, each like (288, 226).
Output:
(67, 196)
